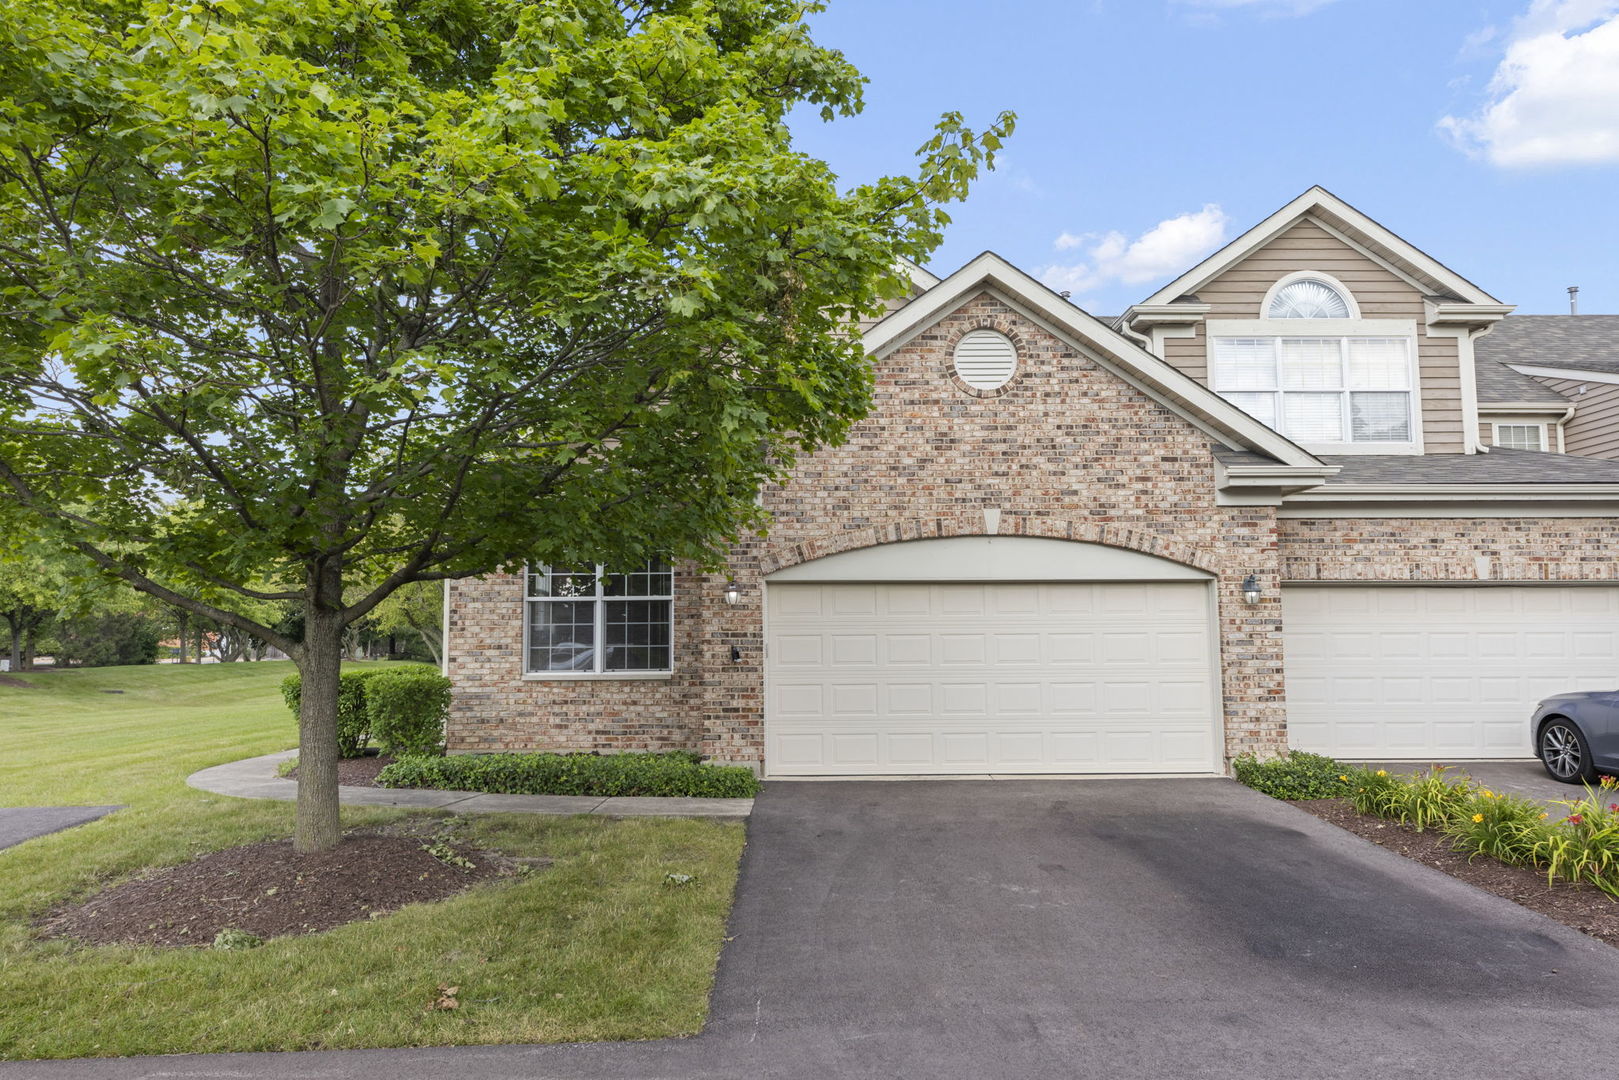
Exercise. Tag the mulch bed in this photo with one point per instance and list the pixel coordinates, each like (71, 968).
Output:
(12, 680)
(357, 771)
(1582, 907)
(269, 891)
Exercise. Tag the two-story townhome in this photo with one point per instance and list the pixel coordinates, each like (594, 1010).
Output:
(1293, 497)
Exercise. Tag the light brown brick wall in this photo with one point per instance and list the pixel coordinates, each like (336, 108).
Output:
(1067, 451)
(1448, 549)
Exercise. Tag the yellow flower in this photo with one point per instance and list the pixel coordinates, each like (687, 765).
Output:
(1382, 772)
(1344, 778)
(1544, 816)
(1488, 794)
(1478, 818)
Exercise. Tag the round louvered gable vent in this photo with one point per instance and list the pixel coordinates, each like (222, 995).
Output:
(985, 359)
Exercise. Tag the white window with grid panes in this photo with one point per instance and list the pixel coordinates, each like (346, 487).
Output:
(587, 621)
(1327, 393)
(1521, 436)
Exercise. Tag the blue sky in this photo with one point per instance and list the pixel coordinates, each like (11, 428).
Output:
(1150, 131)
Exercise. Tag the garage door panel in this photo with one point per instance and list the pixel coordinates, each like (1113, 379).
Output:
(1072, 677)
(1459, 678)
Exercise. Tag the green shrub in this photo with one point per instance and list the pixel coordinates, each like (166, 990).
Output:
(407, 707)
(1426, 801)
(353, 721)
(1298, 775)
(1584, 845)
(1504, 827)
(107, 639)
(676, 773)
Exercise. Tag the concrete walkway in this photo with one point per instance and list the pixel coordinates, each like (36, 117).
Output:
(19, 823)
(255, 778)
(1070, 930)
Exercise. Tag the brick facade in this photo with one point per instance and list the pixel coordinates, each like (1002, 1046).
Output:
(1067, 450)
(1418, 550)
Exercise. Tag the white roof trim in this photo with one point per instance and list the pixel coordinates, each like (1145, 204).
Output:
(1318, 199)
(1196, 402)
(1495, 407)
(1482, 493)
(920, 278)
(1547, 371)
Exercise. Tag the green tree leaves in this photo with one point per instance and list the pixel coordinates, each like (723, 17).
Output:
(299, 294)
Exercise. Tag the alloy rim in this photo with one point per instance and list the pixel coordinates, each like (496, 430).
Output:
(1560, 749)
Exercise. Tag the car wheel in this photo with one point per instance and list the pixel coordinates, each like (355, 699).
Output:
(1565, 753)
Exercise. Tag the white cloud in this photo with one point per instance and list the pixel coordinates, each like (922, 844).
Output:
(1261, 7)
(1554, 98)
(1167, 248)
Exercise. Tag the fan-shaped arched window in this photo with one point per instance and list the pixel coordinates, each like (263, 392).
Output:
(1309, 297)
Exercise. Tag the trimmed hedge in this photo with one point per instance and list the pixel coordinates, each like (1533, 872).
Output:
(1298, 775)
(407, 708)
(676, 773)
(353, 717)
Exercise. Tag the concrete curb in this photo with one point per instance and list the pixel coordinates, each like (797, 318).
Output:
(255, 778)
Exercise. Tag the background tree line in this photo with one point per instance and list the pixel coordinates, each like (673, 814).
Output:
(61, 609)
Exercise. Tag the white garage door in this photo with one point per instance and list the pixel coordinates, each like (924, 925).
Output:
(1406, 672)
(1034, 678)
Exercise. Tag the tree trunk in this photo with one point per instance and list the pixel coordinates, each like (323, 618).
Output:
(184, 629)
(16, 641)
(319, 661)
(28, 644)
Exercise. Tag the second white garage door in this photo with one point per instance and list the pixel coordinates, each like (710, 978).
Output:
(894, 679)
(1414, 672)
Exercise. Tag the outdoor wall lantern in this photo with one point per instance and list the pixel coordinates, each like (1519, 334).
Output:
(1250, 589)
(733, 595)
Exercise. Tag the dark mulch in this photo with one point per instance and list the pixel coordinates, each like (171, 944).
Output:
(1583, 907)
(12, 680)
(357, 771)
(268, 890)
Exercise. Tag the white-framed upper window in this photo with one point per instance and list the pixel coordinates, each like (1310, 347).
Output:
(1309, 294)
(1322, 391)
(589, 621)
(1521, 436)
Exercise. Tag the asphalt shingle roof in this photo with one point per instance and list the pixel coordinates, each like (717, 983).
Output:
(1498, 383)
(1585, 342)
(1499, 466)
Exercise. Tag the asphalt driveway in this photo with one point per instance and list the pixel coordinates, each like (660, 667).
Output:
(1109, 929)
(19, 823)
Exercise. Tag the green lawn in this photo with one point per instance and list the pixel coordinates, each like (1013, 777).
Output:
(595, 947)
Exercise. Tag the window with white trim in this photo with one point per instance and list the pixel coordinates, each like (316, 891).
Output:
(1320, 390)
(587, 621)
(1309, 298)
(1521, 436)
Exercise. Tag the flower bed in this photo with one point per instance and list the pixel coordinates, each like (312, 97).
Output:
(1579, 846)
(676, 773)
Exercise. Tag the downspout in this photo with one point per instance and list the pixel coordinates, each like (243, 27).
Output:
(1471, 443)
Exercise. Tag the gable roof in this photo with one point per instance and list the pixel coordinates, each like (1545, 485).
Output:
(1123, 357)
(1327, 210)
(1581, 342)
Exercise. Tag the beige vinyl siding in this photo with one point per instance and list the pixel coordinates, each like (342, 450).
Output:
(1239, 292)
(1594, 430)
